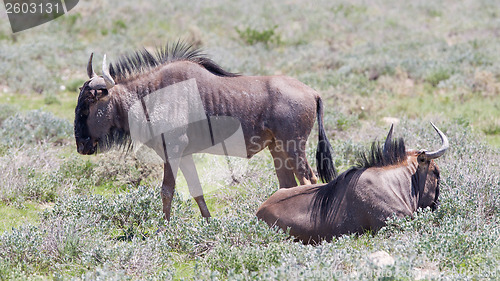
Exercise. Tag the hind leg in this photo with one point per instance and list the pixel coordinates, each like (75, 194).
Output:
(296, 152)
(188, 168)
(282, 164)
(313, 179)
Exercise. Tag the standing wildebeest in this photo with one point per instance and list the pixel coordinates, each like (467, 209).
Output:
(277, 112)
(387, 182)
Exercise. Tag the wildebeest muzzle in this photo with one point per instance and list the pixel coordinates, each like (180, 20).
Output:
(85, 146)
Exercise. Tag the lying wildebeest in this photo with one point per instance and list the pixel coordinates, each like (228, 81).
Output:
(389, 181)
(277, 112)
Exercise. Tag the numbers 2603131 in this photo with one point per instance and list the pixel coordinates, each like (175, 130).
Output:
(32, 8)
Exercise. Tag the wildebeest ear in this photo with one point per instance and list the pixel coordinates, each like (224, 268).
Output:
(388, 141)
(421, 155)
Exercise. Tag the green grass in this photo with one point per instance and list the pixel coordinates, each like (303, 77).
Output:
(252, 36)
(108, 189)
(184, 270)
(494, 140)
(479, 112)
(64, 108)
(15, 216)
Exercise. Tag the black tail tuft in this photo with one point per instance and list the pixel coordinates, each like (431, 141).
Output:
(326, 168)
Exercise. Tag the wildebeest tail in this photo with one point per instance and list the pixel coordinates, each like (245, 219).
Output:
(326, 168)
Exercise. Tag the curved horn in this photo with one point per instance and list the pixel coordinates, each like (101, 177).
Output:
(444, 145)
(105, 74)
(90, 70)
(388, 141)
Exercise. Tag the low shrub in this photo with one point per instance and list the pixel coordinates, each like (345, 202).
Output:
(34, 127)
(253, 36)
(6, 111)
(436, 76)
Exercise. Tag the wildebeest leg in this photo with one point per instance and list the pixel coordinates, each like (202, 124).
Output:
(314, 179)
(301, 168)
(188, 168)
(282, 164)
(167, 189)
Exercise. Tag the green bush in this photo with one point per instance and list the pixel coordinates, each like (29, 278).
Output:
(51, 99)
(41, 187)
(6, 111)
(253, 36)
(436, 76)
(118, 26)
(34, 127)
(74, 85)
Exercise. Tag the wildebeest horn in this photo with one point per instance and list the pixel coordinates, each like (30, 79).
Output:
(388, 141)
(90, 70)
(444, 145)
(105, 74)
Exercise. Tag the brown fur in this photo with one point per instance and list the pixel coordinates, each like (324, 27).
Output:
(272, 110)
(358, 200)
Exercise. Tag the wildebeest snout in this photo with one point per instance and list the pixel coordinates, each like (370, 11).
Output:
(85, 146)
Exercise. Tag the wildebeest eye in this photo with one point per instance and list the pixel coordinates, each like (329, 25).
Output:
(99, 93)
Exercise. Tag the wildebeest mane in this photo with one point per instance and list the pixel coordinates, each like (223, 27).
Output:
(375, 156)
(143, 61)
(117, 138)
(324, 199)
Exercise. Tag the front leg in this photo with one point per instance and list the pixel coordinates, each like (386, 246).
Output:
(167, 189)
